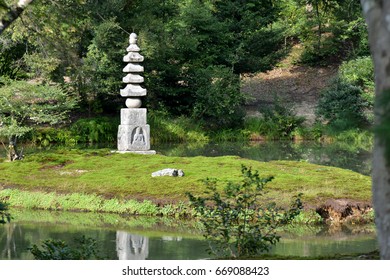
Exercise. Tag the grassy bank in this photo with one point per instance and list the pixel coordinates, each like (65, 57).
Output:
(102, 181)
(185, 130)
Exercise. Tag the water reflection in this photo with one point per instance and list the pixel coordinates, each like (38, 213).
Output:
(131, 246)
(124, 239)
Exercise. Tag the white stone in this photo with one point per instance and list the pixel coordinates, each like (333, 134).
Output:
(133, 67)
(133, 103)
(133, 48)
(133, 90)
(133, 78)
(169, 172)
(133, 116)
(133, 57)
(133, 38)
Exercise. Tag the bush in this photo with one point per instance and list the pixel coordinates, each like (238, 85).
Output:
(95, 130)
(218, 98)
(166, 128)
(4, 215)
(343, 106)
(88, 130)
(84, 249)
(280, 121)
(359, 72)
(234, 223)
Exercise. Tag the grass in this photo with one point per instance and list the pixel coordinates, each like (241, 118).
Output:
(102, 181)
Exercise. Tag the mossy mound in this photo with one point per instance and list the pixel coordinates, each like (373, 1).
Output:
(128, 176)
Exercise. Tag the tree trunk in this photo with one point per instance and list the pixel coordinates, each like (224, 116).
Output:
(377, 14)
(319, 22)
(13, 153)
(13, 13)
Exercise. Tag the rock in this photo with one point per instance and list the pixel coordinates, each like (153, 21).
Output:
(169, 172)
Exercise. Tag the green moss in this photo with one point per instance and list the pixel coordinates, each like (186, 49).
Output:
(123, 178)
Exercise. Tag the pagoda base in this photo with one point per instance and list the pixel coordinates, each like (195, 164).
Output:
(150, 152)
(133, 138)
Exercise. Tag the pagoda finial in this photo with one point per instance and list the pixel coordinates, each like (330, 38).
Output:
(133, 38)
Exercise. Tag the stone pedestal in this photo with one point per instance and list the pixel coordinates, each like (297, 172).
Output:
(133, 132)
(134, 137)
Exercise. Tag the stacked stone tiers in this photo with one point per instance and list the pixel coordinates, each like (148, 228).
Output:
(133, 79)
(133, 132)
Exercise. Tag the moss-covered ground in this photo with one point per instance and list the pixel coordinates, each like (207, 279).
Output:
(100, 180)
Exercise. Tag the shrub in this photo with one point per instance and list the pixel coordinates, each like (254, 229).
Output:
(4, 215)
(359, 72)
(218, 98)
(84, 249)
(95, 130)
(169, 129)
(235, 224)
(343, 106)
(24, 105)
(280, 121)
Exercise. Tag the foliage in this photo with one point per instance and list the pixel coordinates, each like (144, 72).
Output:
(280, 121)
(95, 130)
(188, 46)
(24, 105)
(330, 30)
(234, 223)
(343, 106)
(10, 59)
(179, 129)
(218, 98)
(309, 217)
(99, 78)
(83, 249)
(255, 44)
(4, 215)
(359, 72)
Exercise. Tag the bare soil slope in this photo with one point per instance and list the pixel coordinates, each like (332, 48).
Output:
(294, 85)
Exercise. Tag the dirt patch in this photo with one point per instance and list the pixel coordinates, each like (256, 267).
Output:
(339, 211)
(56, 166)
(295, 85)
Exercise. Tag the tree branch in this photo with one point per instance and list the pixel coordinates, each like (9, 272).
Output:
(13, 13)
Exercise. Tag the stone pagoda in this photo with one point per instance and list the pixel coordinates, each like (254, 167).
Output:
(133, 131)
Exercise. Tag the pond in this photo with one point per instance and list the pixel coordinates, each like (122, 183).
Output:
(139, 238)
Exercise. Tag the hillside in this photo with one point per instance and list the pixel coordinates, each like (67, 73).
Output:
(292, 84)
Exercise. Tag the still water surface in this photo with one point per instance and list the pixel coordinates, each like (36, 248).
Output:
(132, 238)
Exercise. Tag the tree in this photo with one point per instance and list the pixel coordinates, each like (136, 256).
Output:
(330, 30)
(24, 105)
(12, 13)
(377, 17)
